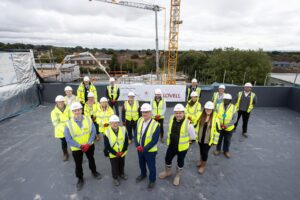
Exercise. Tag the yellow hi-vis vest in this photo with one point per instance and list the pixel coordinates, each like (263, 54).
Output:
(59, 120)
(116, 143)
(131, 112)
(184, 139)
(80, 135)
(73, 99)
(214, 134)
(225, 116)
(193, 111)
(250, 108)
(102, 117)
(89, 111)
(198, 91)
(112, 96)
(151, 128)
(157, 109)
(80, 92)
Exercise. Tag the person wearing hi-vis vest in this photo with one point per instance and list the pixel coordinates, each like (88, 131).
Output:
(70, 97)
(193, 109)
(181, 131)
(80, 134)
(130, 114)
(208, 135)
(59, 116)
(84, 88)
(116, 143)
(159, 107)
(227, 116)
(217, 98)
(245, 102)
(193, 88)
(91, 109)
(146, 138)
(103, 114)
(113, 93)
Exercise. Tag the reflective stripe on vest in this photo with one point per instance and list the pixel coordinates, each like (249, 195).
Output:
(131, 112)
(116, 144)
(90, 110)
(59, 120)
(157, 109)
(184, 139)
(225, 116)
(80, 135)
(113, 95)
(250, 108)
(151, 128)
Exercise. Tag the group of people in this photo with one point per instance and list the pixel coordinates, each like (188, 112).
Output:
(80, 120)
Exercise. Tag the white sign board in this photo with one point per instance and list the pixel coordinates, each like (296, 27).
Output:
(171, 93)
(7, 71)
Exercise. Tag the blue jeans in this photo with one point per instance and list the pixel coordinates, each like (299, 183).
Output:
(149, 159)
(226, 135)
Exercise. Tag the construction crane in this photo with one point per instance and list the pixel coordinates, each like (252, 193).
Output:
(76, 55)
(173, 41)
(154, 8)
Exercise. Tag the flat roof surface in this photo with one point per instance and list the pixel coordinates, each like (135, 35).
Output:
(264, 166)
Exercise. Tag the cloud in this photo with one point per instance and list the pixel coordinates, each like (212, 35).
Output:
(269, 24)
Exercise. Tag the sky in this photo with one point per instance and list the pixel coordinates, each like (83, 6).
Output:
(251, 24)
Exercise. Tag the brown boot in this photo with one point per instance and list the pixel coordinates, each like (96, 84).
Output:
(227, 154)
(98, 138)
(199, 163)
(66, 155)
(166, 173)
(201, 169)
(176, 180)
(216, 152)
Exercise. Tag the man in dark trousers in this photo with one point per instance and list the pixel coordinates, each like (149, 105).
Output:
(113, 93)
(146, 138)
(130, 114)
(80, 134)
(245, 102)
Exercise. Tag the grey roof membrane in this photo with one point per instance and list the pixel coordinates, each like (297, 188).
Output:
(264, 166)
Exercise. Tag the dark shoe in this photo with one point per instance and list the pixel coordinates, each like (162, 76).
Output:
(97, 175)
(151, 185)
(245, 134)
(140, 178)
(124, 176)
(66, 155)
(79, 184)
(227, 154)
(116, 182)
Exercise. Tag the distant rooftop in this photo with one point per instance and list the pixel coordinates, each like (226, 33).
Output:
(288, 77)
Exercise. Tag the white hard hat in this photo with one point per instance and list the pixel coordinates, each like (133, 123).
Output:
(86, 78)
(248, 85)
(114, 118)
(90, 94)
(227, 96)
(68, 88)
(194, 80)
(131, 94)
(179, 107)
(76, 105)
(111, 79)
(158, 91)
(146, 107)
(222, 87)
(194, 94)
(103, 99)
(59, 98)
(209, 105)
